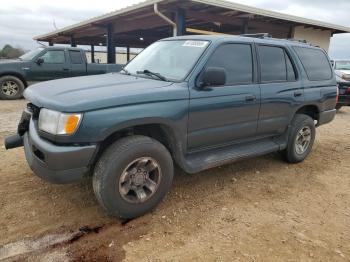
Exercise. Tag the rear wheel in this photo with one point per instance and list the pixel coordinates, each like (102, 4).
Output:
(301, 138)
(11, 88)
(133, 176)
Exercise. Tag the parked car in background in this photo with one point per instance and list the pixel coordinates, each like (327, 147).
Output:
(45, 64)
(195, 101)
(342, 71)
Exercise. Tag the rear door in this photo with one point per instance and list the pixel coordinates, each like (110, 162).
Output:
(78, 64)
(225, 114)
(55, 65)
(281, 89)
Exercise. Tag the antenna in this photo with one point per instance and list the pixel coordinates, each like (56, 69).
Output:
(54, 24)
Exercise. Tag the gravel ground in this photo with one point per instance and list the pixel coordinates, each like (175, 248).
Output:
(260, 209)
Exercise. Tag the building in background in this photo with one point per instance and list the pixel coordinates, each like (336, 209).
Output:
(140, 25)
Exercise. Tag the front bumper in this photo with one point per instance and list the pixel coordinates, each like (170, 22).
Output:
(326, 117)
(56, 164)
(344, 100)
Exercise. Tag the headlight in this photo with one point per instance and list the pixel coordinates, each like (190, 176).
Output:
(57, 123)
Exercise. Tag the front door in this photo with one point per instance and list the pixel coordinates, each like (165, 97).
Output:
(226, 114)
(55, 65)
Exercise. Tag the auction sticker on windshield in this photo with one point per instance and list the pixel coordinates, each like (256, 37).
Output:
(192, 43)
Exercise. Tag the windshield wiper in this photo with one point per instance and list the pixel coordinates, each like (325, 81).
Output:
(125, 71)
(148, 72)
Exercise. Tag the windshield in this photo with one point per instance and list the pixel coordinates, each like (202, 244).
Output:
(342, 65)
(31, 54)
(172, 60)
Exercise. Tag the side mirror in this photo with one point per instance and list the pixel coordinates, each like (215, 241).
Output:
(39, 61)
(213, 76)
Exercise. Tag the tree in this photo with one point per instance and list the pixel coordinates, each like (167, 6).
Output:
(10, 52)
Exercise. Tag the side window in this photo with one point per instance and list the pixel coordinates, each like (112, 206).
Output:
(315, 63)
(237, 59)
(272, 64)
(75, 57)
(54, 57)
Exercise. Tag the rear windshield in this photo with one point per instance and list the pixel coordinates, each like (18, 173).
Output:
(342, 65)
(315, 62)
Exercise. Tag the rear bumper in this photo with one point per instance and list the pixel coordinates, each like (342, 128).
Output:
(326, 117)
(56, 164)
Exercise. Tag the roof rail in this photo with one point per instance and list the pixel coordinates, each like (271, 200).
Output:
(298, 40)
(258, 35)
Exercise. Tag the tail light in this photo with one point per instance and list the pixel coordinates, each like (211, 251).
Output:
(348, 90)
(337, 94)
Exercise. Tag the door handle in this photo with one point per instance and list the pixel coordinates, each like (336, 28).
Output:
(65, 69)
(250, 98)
(298, 93)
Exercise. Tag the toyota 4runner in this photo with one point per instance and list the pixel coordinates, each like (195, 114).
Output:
(195, 101)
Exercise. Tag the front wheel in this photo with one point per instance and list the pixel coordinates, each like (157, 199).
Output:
(133, 176)
(301, 138)
(11, 88)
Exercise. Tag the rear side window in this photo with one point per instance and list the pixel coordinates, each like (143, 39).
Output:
(237, 59)
(275, 65)
(315, 63)
(75, 57)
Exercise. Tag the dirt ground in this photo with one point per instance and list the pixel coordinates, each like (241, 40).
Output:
(260, 209)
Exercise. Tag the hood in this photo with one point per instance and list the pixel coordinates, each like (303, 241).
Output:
(87, 93)
(340, 73)
(10, 61)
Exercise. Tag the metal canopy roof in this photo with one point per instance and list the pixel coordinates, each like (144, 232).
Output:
(138, 25)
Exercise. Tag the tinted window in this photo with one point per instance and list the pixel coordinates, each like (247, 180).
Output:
(315, 63)
(272, 63)
(237, 60)
(54, 57)
(75, 57)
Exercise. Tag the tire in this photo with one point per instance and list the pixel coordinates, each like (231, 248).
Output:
(117, 163)
(300, 124)
(11, 88)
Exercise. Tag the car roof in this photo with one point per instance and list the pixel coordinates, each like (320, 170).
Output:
(62, 48)
(266, 40)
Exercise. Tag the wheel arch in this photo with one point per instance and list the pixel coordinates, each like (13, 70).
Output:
(15, 74)
(158, 130)
(311, 110)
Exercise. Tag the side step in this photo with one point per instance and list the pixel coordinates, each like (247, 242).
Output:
(203, 160)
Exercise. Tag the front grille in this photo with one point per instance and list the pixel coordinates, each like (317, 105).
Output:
(34, 110)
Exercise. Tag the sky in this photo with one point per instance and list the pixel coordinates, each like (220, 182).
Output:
(21, 20)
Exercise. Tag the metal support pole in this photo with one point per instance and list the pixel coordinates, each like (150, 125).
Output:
(72, 41)
(291, 32)
(245, 27)
(128, 53)
(110, 45)
(180, 18)
(92, 54)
